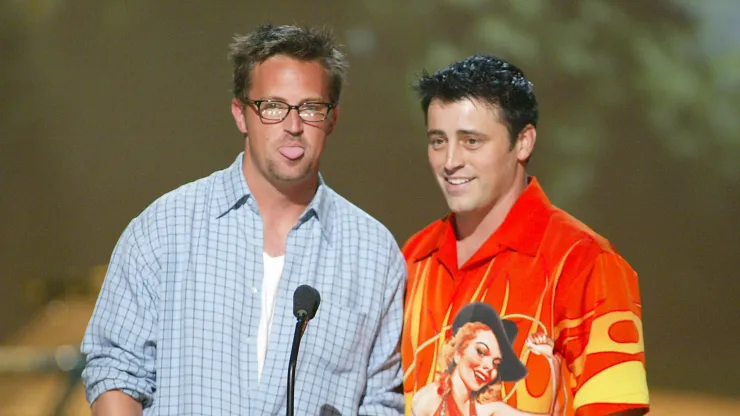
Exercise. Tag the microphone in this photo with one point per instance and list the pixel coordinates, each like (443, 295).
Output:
(306, 302)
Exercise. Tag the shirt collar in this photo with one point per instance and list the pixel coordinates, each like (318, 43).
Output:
(321, 206)
(525, 225)
(232, 193)
(521, 231)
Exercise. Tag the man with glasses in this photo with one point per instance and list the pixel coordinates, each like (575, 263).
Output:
(195, 314)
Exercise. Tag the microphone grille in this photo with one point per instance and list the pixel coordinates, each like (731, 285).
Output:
(306, 302)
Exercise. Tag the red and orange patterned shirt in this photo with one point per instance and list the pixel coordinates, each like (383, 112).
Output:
(550, 274)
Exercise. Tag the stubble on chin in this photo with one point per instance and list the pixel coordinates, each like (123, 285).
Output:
(281, 175)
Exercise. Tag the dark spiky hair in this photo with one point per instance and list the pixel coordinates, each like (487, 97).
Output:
(488, 79)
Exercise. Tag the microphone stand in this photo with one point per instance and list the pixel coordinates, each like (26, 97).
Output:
(300, 326)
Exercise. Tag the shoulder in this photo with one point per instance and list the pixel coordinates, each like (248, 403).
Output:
(426, 400)
(570, 242)
(184, 199)
(566, 225)
(583, 261)
(172, 210)
(423, 241)
(188, 195)
(354, 222)
(369, 245)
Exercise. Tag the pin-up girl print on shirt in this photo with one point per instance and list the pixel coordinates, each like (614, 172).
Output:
(475, 362)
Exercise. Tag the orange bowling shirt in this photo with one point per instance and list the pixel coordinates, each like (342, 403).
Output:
(548, 273)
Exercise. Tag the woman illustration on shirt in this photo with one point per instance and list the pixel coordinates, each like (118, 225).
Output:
(476, 362)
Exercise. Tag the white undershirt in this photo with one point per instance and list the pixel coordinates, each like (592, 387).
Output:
(273, 267)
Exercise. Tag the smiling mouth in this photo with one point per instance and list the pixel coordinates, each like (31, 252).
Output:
(482, 378)
(457, 181)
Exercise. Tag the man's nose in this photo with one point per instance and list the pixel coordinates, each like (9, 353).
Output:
(293, 123)
(454, 160)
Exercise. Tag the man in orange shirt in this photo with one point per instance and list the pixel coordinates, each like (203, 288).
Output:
(538, 282)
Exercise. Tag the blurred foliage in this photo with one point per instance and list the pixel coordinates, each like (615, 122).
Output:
(648, 75)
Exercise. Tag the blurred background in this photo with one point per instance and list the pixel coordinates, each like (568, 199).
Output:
(108, 105)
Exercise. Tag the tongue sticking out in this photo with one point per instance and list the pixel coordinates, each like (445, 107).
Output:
(291, 152)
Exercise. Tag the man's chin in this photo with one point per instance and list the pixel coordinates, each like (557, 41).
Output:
(291, 175)
(458, 207)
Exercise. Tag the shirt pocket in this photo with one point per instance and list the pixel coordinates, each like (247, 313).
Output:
(336, 338)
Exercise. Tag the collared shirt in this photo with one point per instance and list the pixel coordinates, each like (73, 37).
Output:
(176, 322)
(549, 274)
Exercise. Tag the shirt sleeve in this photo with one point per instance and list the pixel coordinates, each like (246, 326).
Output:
(119, 342)
(383, 393)
(599, 330)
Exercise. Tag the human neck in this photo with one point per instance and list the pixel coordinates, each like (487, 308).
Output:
(280, 205)
(460, 392)
(472, 229)
(282, 198)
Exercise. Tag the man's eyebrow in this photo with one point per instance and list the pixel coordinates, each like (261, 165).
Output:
(273, 98)
(314, 100)
(303, 101)
(465, 132)
(435, 132)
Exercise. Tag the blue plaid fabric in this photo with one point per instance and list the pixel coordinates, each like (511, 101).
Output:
(175, 324)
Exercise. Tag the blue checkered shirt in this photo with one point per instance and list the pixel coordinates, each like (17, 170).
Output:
(175, 324)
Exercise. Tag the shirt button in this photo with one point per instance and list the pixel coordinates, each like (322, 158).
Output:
(254, 289)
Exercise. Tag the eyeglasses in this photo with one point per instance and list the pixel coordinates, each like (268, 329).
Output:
(275, 110)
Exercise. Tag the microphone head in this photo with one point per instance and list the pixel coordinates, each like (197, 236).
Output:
(306, 302)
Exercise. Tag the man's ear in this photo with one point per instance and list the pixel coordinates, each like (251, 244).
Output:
(332, 120)
(525, 142)
(238, 111)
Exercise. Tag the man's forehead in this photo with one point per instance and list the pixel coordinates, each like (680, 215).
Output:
(280, 75)
(462, 115)
(465, 105)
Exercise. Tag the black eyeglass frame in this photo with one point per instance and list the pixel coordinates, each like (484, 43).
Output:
(258, 104)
